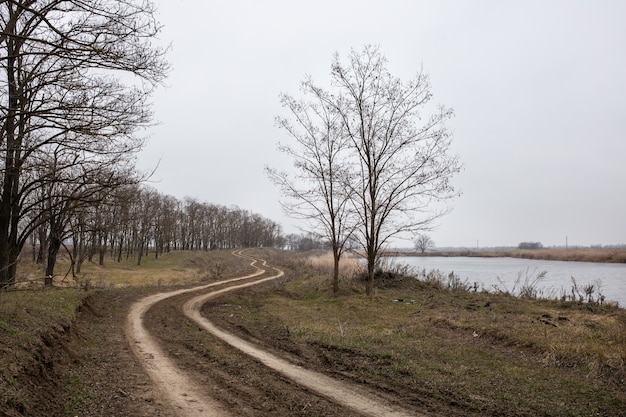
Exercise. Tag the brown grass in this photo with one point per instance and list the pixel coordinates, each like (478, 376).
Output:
(483, 354)
(169, 269)
(33, 318)
(323, 262)
(580, 255)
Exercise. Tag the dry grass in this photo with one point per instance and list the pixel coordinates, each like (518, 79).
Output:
(589, 337)
(170, 269)
(28, 321)
(32, 317)
(485, 354)
(323, 262)
(580, 255)
(28, 311)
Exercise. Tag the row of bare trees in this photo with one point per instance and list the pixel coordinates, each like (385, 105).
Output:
(75, 82)
(137, 221)
(75, 79)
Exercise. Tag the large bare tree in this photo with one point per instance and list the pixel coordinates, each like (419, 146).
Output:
(402, 158)
(63, 89)
(317, 192)
(368, 141)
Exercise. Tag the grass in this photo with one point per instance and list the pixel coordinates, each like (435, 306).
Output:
(614, 255)
(26, 313)
(485, 353)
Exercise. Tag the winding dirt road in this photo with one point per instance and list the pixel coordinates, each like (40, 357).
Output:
(188, 398)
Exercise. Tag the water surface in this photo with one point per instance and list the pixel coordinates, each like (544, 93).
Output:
(503, 273)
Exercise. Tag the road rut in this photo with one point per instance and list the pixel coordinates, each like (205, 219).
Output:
(188, 399)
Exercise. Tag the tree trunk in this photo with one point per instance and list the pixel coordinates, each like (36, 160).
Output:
(72, 254)
(79, 264)
(9, 255)
(371, 269)
(140, 252)
(53, 250)
(33, 246)
(104, 241)
(9, 201)
(41, 253)
(8, 267)
(336, 256)
(120, 249)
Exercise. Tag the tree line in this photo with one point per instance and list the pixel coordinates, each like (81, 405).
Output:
(135, 221)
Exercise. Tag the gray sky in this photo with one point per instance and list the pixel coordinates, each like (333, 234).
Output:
(538, 89)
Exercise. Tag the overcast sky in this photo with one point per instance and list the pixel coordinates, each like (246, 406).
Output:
(538, 89)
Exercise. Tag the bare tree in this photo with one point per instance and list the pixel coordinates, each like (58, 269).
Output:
(61, 91)
(148, 205)
(423, 243)
(401, 158)
(166, 225)
(317, 193)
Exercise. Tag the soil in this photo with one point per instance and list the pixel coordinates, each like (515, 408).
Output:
(102, 366)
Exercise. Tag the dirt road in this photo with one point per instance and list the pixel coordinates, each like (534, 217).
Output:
(189, 393)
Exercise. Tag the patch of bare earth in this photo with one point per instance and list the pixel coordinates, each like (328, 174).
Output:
(196, 382)
(91, 369)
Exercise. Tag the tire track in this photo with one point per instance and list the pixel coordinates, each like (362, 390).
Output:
(328, 387)
(182, 394)
(189, 400)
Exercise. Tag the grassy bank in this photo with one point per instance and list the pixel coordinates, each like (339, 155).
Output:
(474, 353)
(35, 320)
(608, 255)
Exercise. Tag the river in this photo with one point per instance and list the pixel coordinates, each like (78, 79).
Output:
(510, 273)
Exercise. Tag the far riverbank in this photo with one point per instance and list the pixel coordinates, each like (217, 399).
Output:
(602, 255)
